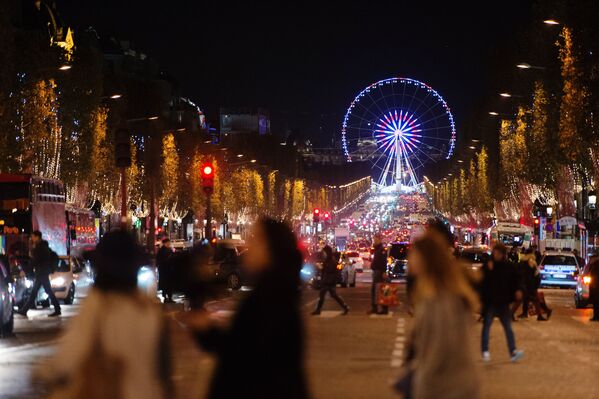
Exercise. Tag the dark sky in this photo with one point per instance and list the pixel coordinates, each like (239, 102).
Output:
(311, 57)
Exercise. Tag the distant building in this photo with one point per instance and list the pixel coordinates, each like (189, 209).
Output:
(244, 120)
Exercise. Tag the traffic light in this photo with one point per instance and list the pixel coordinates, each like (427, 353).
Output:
(327, 218)
(208, 177)
(316, 215)
(122, 149)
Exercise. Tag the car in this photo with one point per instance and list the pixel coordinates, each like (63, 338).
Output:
(62, 281)
(226, 263)
(397, 262)
(581, 294)
(559, 269)
(354, 256)
(349, 269)
(474, 257)
(7, 299)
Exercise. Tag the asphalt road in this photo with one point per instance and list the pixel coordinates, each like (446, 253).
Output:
(359, 356)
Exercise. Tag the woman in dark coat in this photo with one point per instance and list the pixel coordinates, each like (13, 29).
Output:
(261, 354)
(329, 281)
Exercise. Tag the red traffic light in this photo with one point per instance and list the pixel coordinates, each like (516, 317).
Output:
(316, 211)
(537, 221)
(207, 170)
(327, 215)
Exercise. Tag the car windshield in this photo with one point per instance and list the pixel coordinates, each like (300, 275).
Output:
(474, 257)
(561, 260)
(398, 251)
(63, 266)
(511, 240)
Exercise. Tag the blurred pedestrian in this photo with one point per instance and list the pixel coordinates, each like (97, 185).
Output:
(440, 362)
(165, 270)
(531, 277)
(117, 347)
(593, 270)
(43, 262)
(328, 282)
(261, 354)
(499, 286)
(513, 256)
(379, 274)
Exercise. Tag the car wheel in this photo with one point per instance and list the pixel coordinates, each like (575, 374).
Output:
(70, 298)
(8, 327)
(233, 281)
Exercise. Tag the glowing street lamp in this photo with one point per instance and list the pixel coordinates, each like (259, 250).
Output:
(493, 113)
(65, 67)
(592, 198)
(525, 65)
(551, 22)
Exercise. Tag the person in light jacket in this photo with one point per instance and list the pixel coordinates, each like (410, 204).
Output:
(440, 362)
(116, 322)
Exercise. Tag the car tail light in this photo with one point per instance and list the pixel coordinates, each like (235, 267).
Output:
(586, 280)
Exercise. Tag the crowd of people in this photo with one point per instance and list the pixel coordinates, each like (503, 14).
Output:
(118, 346)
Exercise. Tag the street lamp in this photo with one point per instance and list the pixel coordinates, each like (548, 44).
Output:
(506, 95)
(549, 211)
(525, 65)
(65, 67)
(116, 96)
(592, 198)
(551, 22)
(493, 113)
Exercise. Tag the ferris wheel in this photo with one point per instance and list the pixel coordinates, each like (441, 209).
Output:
(398, 125)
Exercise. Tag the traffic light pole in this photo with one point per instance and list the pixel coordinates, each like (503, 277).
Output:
(124, 198)
(208, 231)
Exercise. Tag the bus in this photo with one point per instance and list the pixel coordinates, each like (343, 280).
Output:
(511, 234)
(29, 203)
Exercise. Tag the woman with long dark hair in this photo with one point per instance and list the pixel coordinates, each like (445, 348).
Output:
(261, 354)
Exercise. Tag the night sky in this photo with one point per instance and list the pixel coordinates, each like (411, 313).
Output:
(310, 59)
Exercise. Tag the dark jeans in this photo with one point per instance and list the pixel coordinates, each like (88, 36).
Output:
(377, 278)
(505, 317)
(41, 281)
(333, 292)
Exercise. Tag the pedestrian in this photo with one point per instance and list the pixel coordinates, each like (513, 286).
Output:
(379, 274)
(521, 295)
(499, 286)
(513, 255)
(165, 270)
(532, 280)
(593, 270)
(328, 282)
(261, 354)
(440, 362)
(117, 347)
(43, 262)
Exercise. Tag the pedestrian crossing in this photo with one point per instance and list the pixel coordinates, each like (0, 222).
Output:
(397, 354)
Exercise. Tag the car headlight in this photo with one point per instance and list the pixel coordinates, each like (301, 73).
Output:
(58, 281)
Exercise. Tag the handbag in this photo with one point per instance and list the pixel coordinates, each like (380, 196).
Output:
(100, 376)
(387, 294)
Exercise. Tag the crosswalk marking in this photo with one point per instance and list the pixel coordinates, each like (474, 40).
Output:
(397, 354)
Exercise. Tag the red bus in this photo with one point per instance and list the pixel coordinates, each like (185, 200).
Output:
(29, 203)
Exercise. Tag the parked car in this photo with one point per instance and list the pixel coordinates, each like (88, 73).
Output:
(581, 295)
(7, 299)
(559, 269)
